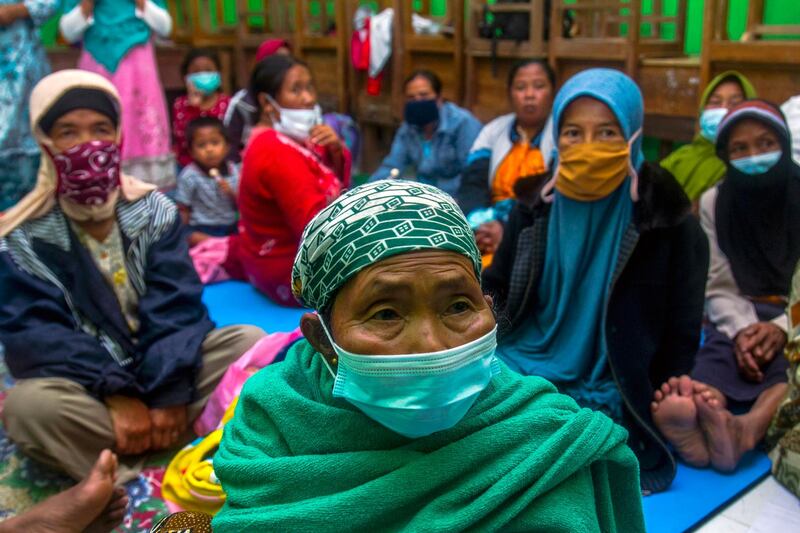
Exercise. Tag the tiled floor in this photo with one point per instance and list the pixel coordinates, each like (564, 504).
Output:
(766, 508)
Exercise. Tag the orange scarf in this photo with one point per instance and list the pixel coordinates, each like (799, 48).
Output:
(521, 161)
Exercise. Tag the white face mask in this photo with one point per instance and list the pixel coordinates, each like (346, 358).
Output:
(296, 123)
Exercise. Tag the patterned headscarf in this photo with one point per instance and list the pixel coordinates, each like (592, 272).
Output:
(371, 223)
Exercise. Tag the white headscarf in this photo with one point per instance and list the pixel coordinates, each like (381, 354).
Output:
(42, 198)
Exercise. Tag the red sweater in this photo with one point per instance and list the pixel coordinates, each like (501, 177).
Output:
(282, 186)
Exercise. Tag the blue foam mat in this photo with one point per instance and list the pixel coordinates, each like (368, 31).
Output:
(695, 495)
(235, 302)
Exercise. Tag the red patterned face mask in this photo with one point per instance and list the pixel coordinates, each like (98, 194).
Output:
(88, 173)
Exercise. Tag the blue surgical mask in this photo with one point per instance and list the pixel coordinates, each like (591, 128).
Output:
(417, 394)
(755, 165)
(709, 122)
(205, 82)
(421, 112)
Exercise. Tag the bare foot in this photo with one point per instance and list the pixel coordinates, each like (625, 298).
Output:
(112, 515)
(723, 432)
(675, 415)
(92, 503)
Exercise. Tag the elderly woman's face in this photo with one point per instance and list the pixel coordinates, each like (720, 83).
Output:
(750, 137)
(417, 302)
(81, 126)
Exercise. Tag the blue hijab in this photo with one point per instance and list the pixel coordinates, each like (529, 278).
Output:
(564, 338)
(116, 30)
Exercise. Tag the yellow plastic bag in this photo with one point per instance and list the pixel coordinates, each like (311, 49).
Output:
(189, 480)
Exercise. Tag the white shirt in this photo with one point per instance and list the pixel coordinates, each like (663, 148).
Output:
(73, 24)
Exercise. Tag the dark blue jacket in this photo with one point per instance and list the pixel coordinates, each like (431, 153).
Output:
(60, 318)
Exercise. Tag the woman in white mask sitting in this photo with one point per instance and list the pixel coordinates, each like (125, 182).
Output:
(394, 413)
(293, 166)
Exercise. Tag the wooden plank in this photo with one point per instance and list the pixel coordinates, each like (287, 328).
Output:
(775, 81)
(670, 128)
(587, 48)
(773, 52)
(507, 49)
(670, 88)
(776, 29)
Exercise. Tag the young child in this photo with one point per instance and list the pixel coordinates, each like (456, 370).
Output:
(207, 187)
(204, 97)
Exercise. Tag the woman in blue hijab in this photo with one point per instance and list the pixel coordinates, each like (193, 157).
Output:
(602, 271)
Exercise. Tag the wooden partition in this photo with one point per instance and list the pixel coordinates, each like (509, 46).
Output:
(773, 65)
(488, 63)
(613, 33)
(268, 19)
(321, 40)
(442, 53)
(377, 115)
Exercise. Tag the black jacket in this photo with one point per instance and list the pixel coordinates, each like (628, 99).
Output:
(655, 309)
(59, 317)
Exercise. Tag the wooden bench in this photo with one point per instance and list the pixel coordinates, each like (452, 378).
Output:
(772, 65)
(254, 25)
(442, 53)
(321, 40)
(613, 33)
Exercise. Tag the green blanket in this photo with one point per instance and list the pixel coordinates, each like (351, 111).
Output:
(524, 458)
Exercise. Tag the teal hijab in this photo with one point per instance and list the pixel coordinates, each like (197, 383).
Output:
(564, 338)
(116, 30)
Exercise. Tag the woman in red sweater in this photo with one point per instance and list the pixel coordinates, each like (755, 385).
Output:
(293, 167)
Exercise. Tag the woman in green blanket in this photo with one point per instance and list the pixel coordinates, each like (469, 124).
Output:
(696, 165)
(394, 413)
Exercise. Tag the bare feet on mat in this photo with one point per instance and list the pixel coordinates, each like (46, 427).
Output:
(726, 436)
(93, 505)
(675, 415)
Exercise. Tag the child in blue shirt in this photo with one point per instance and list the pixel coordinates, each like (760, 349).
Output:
(207, 187)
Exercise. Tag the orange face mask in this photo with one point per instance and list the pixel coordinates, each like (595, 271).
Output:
(591, 171)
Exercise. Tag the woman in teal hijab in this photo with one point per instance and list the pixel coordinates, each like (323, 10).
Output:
(394, 413)
(601, 279)
(117, 43)
(696, 165)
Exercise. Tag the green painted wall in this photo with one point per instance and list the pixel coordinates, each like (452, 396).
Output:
(777, 12)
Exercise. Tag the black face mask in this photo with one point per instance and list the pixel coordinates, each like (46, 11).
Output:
(421, 112)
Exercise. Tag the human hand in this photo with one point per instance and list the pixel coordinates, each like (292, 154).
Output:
(167, 424)
(194, 97)
(748, 367)
(764, 340)
(10, 13)
(87, 8)
(131, 421)
(488, 237)
(196, 237)
(325, 136)
(140, 4)
(225, 187)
